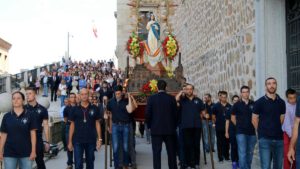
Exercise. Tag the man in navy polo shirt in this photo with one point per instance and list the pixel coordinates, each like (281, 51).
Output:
(220, 110)
(241, 116)
(41, 114)
(67, 114)
(191, 109)
(267, 118)
(230, 133)
(85, 131)
(120, 109)
(206, 127)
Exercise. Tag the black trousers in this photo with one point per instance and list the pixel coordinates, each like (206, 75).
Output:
(63, 135)
(170, 142)
(53, 94)
(222, 145)
(233, 147)
(191, 141)
(40, 153)
(142, 129)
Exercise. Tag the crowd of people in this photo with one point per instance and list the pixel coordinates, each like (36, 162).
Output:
(94, 102)
(237, 127)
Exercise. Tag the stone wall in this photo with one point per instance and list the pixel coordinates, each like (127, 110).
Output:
(217, 43)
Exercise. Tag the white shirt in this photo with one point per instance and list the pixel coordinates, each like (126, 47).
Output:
(63, 89)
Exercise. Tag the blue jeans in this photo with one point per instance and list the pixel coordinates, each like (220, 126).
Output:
(205, 135)
(69, 153)
(62, 99)
(120, 138)
(89, 150)
(268, 150)
(246, 145)
(11, 163)
(45, 89)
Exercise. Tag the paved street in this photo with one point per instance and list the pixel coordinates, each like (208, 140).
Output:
(144, 159)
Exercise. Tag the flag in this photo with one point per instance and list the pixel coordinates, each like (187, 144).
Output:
(95, 31)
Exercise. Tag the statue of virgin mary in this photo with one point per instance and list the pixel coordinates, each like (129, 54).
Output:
(153, 28)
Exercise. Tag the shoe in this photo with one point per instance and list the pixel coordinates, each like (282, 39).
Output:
(197, 167)
(221, 161)
(227, 159)
(234, 165)
(69, 167)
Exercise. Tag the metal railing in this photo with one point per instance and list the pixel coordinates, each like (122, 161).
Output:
(2, 84)
(15, 79)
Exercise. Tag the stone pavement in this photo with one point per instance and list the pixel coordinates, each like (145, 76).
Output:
(144, 159)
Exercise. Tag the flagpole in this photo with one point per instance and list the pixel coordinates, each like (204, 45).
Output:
(68, 46)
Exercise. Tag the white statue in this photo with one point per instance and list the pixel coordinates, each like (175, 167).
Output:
(74, 87)
(153, 41)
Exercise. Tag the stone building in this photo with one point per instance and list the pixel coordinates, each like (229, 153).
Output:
(4, 49)
(227, 44)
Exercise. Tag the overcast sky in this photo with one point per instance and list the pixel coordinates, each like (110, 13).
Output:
(37, 30)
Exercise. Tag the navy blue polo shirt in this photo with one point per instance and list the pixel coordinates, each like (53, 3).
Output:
(67, 113)
(41, 114)
(190, 111)
(232, 128)
(118, 110)
(243, 113)
(209, 109)
(17, 128)
(85, 123)
(269, 111)
(220, 112)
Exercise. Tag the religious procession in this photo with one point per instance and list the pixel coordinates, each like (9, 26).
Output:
(195, 84)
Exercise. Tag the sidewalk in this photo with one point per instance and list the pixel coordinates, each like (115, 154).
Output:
(144, 159)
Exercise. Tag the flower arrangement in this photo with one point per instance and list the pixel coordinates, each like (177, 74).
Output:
(149, 88)
(135, 46)
(170, 47)
(169, 71)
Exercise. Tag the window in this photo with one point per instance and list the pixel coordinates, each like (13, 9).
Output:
(5, 57)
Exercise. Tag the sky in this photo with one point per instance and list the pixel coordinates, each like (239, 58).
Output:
(38, 29)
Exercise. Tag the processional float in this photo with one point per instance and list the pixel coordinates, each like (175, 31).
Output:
(153, 47)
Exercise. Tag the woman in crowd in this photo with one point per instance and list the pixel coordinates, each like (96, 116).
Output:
(63, 91)
(18, 135)
(82, 82)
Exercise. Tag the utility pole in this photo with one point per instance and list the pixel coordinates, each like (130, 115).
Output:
(68, 46)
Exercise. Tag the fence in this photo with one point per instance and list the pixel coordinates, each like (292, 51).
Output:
(12, 82)
(2, 84)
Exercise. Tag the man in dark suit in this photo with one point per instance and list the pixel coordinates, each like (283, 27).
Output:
(161, 117)
(105, 91)
(54, 81)
(102, 107)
